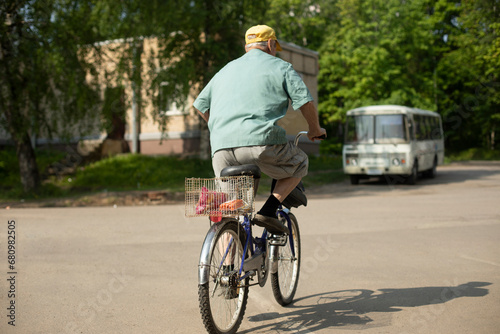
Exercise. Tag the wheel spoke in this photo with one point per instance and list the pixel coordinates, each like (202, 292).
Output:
(284, 282)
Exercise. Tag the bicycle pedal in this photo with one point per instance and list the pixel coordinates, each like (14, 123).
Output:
(278, 240)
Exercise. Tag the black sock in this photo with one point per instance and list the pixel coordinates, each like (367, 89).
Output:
(270, 207)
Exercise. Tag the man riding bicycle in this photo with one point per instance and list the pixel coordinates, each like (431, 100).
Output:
(242, 105)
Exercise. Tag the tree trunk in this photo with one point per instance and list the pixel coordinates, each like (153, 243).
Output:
(492, 138)
(28, 168)
(14, 96)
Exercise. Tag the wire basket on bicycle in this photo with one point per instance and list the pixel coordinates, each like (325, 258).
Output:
(220, 196)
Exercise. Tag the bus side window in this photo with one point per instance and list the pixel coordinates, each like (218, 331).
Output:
(418, 127)
(427, 127)
(411, 128)
(436, 129)
(423, 127)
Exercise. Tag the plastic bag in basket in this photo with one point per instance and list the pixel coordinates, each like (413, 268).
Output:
(209, 200)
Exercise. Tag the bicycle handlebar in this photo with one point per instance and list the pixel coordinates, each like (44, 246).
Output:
(301, 133)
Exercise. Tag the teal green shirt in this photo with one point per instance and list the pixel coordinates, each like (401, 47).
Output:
(247, 98)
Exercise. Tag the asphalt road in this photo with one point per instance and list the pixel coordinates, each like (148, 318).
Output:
(377, 258)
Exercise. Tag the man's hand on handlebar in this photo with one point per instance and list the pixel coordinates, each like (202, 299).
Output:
(317, 135)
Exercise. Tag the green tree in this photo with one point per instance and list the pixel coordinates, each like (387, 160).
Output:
(42, 75)
(469, 76)
(302, 22)
(379, 53)
(441, 55)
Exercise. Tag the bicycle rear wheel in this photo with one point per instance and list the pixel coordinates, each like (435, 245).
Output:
(224, 297)
(284, 282)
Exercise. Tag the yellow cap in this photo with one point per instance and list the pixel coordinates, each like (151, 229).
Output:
(261, 33)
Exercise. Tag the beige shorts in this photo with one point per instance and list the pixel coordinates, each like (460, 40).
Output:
(276, 161)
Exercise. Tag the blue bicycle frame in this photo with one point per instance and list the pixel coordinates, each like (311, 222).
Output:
(257, 245)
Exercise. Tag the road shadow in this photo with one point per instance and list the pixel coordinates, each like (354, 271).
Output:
(354, 308)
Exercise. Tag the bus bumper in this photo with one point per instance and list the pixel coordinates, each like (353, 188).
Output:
(377, 170)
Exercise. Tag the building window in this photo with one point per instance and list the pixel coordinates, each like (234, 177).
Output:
(167, 106)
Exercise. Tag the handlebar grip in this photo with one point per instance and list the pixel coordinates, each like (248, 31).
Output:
(303, 133)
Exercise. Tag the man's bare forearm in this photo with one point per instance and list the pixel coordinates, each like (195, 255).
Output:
(311, 115)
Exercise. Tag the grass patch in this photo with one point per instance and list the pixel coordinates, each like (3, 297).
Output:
(140, 172)
(119, 173)
(324, 170)
(134, 172)
(10, 186)
(473, 154)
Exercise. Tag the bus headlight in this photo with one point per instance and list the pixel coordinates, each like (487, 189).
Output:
(395, 162)
(351, 160)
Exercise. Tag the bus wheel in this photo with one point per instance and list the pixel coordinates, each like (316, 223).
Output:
(412, 179)
(354, 179)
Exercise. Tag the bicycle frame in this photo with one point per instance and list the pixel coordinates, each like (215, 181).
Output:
(250, 244)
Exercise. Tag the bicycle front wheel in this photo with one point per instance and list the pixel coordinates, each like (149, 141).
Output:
(224, 297)
(284, 282)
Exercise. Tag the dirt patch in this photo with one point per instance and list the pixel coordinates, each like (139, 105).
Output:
(124, 198)
(119, 198)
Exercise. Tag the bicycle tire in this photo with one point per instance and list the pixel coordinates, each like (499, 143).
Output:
(221, 312)
(284, 282)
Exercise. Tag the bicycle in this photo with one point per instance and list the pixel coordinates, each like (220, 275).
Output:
(231, 258)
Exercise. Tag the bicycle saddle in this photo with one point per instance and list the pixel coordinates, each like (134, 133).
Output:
(242, 170)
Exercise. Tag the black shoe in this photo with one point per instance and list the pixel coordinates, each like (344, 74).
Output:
(272, 225)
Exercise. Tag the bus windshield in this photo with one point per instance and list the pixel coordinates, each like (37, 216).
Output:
(390, 129)
(381, 129)
(360, 129)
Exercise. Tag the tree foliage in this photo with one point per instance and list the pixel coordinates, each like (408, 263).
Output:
(433, 54)
(469, 76)
(379, 53)
(302, 22)
(42, 76)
